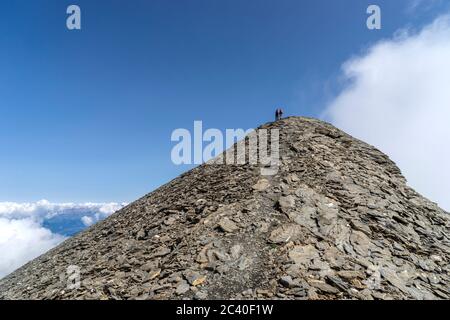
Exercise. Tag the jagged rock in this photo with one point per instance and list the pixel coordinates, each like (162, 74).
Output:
(141, 234)
(324, 287)
(150, 265)
(286, 202)
(360, 242)
(286, 281)
(350, 274)
(262, 185)
(227, 225)
(284, 234)
(154, 273)
(336, 221)
(194, 278)
(161, 251)
(182, 288)
(235, 251)
(303, 255)
(201, 295)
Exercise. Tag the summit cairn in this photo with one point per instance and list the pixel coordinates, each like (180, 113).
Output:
(337, 221)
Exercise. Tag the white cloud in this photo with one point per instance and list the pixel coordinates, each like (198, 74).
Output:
(22, 240)
(87, 221)
(23, 236)
(398, 99)
(45, 210)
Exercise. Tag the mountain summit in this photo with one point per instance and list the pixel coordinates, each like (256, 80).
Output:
(336, 221)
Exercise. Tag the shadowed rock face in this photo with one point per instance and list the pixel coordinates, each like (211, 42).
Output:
(336, 222)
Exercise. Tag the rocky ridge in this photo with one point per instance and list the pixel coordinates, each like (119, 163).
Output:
(336, 222)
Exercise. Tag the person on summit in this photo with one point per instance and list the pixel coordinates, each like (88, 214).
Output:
(278, 114)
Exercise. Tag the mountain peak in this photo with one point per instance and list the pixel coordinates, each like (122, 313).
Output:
(336, 221)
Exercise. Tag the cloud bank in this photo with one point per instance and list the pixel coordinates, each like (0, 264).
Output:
(29, 229)
(397, 98)
(22, 240)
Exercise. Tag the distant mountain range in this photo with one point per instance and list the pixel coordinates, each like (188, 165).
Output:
(67, 224)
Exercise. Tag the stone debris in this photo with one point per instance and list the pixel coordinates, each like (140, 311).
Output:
(261, 185)
(285, 234)
(287, 281)
(337, 221)
(194, 278)
(227, 225)
(286, 202)
(182, 288)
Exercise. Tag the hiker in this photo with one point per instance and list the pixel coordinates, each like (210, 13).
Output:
(278, 114)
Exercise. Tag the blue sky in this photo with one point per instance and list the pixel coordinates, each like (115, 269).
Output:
(87, 115)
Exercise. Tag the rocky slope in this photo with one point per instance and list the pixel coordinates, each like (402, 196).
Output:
(336, 222)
